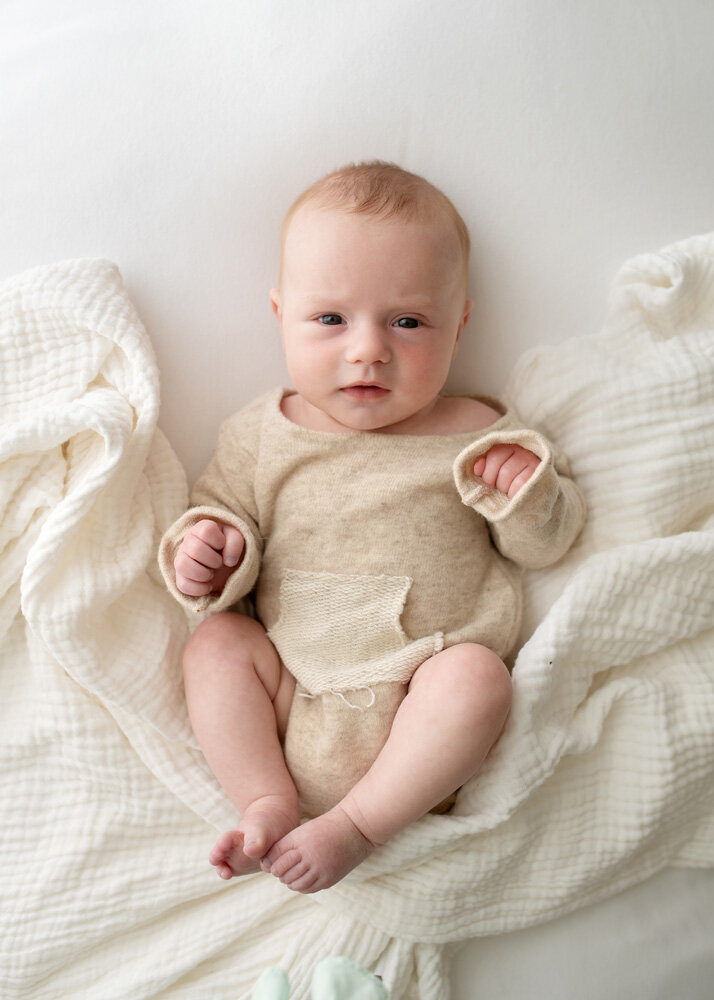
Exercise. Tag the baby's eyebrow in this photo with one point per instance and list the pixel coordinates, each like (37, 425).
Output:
(416, 304)
(413, 304)
(321, 301)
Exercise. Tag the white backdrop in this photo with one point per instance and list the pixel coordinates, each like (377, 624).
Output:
(171, 136)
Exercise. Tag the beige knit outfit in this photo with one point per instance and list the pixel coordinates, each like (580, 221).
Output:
(370, 552)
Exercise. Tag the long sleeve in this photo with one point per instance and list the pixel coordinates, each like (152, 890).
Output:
(224, 492)
(539, 524)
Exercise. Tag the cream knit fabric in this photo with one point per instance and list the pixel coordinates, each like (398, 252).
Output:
(369, 553)
(358, 622)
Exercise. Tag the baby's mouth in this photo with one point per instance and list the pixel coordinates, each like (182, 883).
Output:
(365, 390)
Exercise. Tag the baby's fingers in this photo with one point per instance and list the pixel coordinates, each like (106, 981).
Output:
(192, 569)
(506, 467)
(192, 588)
(195, 547)
(234, 546)
(520, 480)
(488, 466)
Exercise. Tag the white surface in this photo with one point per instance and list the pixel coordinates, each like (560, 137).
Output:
(170, 137)
(653, 942)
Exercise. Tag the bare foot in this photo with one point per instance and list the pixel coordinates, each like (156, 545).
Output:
(266, 820)
(319, 853)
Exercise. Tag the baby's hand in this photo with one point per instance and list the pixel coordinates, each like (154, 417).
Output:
(207, 556)
(506, 467)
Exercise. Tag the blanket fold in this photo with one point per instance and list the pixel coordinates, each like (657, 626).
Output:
(603, 776)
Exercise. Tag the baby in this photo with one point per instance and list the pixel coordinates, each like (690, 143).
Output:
(380, 526)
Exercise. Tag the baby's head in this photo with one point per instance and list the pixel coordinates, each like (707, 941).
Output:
(372, 295)
(384, 191)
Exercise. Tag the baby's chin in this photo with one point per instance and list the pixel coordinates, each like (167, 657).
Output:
(344, 413)
(364, 408)
(366, 417)
(381, 417)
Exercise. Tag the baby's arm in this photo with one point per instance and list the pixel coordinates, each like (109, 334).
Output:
(520, 483)
(221, 523)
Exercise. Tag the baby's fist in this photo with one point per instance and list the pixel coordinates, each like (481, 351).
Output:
(506, 467)
(207, 556)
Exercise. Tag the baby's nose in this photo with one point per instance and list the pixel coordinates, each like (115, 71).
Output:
(368, 345)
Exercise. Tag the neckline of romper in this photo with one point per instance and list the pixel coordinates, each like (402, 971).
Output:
(361, 437)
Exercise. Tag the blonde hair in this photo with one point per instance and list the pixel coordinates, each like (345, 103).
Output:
(383, 190)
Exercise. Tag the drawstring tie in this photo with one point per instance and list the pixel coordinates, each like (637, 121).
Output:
(359, 708)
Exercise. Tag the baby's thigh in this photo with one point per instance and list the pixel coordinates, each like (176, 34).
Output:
(239, 643)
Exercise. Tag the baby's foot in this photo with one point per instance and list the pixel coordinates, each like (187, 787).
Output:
(266, 820)
(319, 853)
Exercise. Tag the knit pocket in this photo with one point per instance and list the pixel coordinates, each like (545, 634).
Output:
(338, 632)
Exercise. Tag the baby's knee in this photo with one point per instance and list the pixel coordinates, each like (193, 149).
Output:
(218, 637)
(493, 675)
(478, 679)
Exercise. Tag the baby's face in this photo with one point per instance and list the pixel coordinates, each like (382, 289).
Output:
(370, 313)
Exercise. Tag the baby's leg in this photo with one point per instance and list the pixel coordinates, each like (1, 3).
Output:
(239, 695)
(453, 713)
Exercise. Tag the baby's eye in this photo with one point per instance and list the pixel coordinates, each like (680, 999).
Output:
(408, 323)
(330, 319)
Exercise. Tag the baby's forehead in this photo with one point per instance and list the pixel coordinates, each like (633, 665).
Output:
(317, 222)
(315, 212)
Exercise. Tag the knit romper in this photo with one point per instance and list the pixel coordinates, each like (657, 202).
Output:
(367, 553)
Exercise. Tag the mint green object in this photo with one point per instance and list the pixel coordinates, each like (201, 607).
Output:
(272, 985)
(334, 978)
(339, 979)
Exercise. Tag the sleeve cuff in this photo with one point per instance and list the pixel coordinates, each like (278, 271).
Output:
(538, 495)
(239, 583)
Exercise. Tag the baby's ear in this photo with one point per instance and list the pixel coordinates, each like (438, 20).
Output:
(465, 316)
(275, 302)
(468, 306)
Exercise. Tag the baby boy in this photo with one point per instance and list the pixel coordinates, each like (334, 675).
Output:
(380, 526)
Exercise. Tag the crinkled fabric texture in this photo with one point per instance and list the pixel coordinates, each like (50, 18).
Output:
(602, 777)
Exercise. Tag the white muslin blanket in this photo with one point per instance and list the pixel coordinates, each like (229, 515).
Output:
(603, 776)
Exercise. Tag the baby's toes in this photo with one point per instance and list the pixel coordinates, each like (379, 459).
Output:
(307, 882)
(285, 862)
(226, 843)
(269, 859)
(295, 873)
